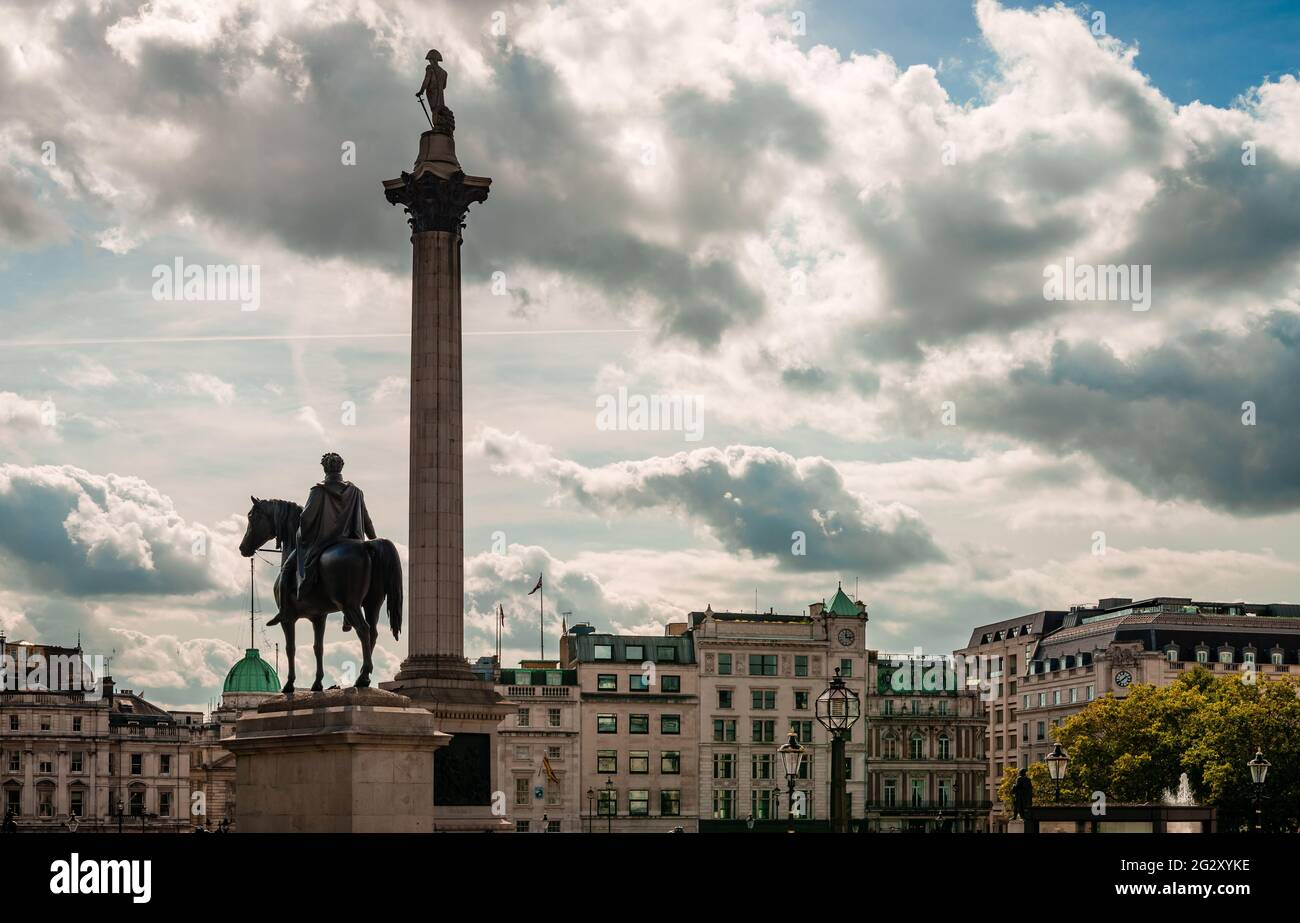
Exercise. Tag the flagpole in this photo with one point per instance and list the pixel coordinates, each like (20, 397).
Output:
(541, 616)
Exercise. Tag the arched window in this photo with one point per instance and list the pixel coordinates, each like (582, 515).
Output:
(945, 747)
(918, 747)
(889, 747)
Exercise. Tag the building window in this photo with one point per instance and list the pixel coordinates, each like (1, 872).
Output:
(553, 717)
(890, 793)
(638, 802)
(521, 790)
(521, 718)
(945, 793)
(763, 732)
(666, 653)
(918, 747)
(607, 724)
(74, 762)
(45, 801)
(761, 765)
(805, 767)
(801, 700)
(638, 762)
(522, 753)
(670, 762)
(15, 761)
(889, 747)
(634, 653)
(521, 826)
(638, 683)
(724, 730)
(553, 753)
(607, 761)
(670, 724)
(763, 699)
(802, 731)
(889, 706)
(1091, 694)
(670, 802)
(1074, 694)
(164, 804)
(76, 802)
(607, 805)
(552, 826)
(670, 683)
(945, 747)
(45, 722)
(76, 725)
(12, 800)
(1225, 655)
(762, 664)
(1041, 730)
(724, 698)
(724, 664)
(1276, 657)
(1202, 655)
(800, 664)
(918, 792)
(607, 682)
(137, 803)
(45, 766)
(1171, 653)
(1056, 696)
(724, 804)
(553, 795)
(846, 668)
(1247, 656)
(638, 724)
(1042, 700)
(602, 652)
(164, 764)
(13, 722)
(724, 765)
(763, 802)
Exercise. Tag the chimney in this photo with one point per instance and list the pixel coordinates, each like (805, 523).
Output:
(816, 608)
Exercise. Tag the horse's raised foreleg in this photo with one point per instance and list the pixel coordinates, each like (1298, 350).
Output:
(287, 625)
(318, 627)
(367, 639)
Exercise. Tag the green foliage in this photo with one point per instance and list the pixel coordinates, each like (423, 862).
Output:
(1135, 748)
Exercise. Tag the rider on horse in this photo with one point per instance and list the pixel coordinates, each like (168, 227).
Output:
(335, 512)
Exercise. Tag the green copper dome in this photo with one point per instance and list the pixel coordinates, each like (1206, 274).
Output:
(842, 605)
(252, 674)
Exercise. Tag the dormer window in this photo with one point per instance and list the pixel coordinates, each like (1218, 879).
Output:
(1171, 653)
(1277, 656)
(1225, 654)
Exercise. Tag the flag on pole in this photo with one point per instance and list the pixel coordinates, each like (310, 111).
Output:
(538, 587)
(550, 773)
(502, 611)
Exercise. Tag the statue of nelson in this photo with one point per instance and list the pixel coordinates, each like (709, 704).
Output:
(335, 512)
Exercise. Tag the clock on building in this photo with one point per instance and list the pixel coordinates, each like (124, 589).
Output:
(1123, 678)
(847, 636)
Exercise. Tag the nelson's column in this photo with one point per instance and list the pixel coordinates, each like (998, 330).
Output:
(436, 194)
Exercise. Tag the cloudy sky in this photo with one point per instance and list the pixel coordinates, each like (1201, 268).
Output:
(824, 226)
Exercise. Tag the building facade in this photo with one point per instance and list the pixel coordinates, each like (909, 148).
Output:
(639, 728)
(759, 677)
(92, 757)
(1069, 658)
(539, 755)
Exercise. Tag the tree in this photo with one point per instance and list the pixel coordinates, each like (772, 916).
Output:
(1133, 749)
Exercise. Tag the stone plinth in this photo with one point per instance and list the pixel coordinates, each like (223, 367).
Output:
(341, 761)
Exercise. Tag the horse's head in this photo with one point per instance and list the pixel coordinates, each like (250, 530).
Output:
(261, 527)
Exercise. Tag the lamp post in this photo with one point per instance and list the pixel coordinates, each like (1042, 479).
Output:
(609, 805)
(1258, 773)
(1057, 761)
(838, 709)
(591, 797)
(121, 813)
(792, 753)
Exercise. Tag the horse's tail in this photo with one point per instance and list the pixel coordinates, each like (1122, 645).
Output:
(390, 565)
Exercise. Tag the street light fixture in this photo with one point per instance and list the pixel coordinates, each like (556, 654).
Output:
(591, 797)
(609, 805)
(121, 813)
(792, 754)
(1259, 773)
(1057, 761)
(838, 709)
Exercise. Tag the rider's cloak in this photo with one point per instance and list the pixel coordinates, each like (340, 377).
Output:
(335, 512)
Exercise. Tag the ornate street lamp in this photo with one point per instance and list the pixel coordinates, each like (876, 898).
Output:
(591, 797)
(792, 754)
(121, 813)
(1259, 773)
(610, 803)
(838, 709)
(1057, 761)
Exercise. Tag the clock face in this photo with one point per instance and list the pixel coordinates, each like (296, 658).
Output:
(847, 636)
(1123, 678)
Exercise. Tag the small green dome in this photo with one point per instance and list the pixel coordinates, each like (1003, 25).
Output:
(252, 674)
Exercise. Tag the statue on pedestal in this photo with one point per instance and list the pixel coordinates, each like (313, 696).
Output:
(328, 565)
(434, 88)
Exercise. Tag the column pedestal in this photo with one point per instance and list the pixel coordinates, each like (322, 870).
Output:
(340, 761)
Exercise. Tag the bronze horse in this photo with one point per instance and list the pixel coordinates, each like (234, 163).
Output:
(355, 577)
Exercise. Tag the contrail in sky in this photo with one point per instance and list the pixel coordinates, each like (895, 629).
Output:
(123, 341)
